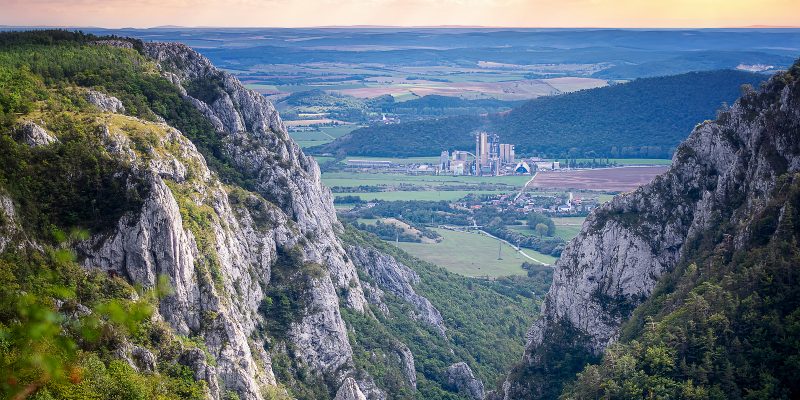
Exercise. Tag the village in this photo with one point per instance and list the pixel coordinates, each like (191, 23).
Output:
(551, 204)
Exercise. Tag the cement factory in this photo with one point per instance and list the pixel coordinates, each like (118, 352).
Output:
(491, 158)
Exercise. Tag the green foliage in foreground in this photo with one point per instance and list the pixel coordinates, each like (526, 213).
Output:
(726, 326)
(50, 349)
(486, 323)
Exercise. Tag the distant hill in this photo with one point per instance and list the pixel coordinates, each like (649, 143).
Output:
(643, 118)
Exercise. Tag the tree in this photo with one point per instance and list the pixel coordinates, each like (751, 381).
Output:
(541, 229)
(535, 219)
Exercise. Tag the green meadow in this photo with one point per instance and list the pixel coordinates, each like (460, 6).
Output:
(473, 254)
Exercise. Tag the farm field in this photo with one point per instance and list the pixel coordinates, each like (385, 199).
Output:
(472, 254)
(353, 179)
(397, 160)
(519, 89)
(629, 161)
(429, 195)
(311, 143)
(621, 179)
(320, 135)
(336, 131)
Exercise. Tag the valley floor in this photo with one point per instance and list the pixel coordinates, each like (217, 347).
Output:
(473, 254)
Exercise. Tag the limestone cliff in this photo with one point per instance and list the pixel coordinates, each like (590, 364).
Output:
(722, 175)
(218, 244)
(460, 376)
(397, 279)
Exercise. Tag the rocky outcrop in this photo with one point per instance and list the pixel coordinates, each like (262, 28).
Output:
(220, 270)
(460, 377)
(398, 280)
(724, 172)
(217, 244)
(255, 140)
(156, 242)
(8, 222)
(104, 102)
(34, 135)
(349, 391)
(124, 44)
(407, 363)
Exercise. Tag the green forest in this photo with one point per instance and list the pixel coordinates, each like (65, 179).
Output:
(645, 118)
(724, 323)
(488, 334)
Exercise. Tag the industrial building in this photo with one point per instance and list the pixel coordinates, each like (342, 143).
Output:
(506, 153)
(444, 161)
(490, 154)
(459, 163)
(490, 158)
(368, 164)
(547, 165)
(522, 168)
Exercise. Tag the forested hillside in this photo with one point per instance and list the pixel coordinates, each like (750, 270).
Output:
(644, 118)
(687, 288)
(151, 250)
(60, 324)
(485, 334)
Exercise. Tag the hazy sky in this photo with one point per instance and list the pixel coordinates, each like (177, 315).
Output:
(293, 13)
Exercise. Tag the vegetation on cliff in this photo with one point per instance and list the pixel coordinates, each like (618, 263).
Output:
(487, 334)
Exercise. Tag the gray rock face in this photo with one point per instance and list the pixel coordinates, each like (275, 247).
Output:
(724, 171)
(349, 391)
(407, 360)
(8, 222)
(105, 102)
(156, 242)
(143, 358)
(34, 135)
(124, 44)
(256, 141)
(220, 268)
(460, 376)
(398, 280)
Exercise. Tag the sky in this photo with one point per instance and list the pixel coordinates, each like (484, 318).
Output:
(303, 13)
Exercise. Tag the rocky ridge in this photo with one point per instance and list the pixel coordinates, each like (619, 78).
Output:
(460, 376)
(723, 173)
(220, 266)
(398, 280)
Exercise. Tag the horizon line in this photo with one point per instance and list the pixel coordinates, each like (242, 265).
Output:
(367, 26)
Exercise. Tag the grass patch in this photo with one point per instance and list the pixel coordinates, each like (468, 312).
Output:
(310, 143)
(568, 227)
(450, 195)
(472, 254)
(357, 179)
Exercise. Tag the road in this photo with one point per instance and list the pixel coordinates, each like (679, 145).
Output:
(525, 186)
